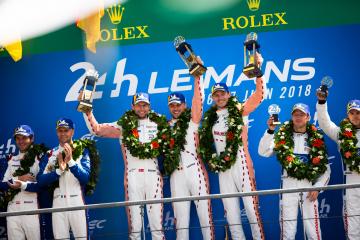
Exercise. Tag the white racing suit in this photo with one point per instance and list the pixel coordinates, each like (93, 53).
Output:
(142, 178)
(69, 193)
(191, 179)
(26, 226)
(241, 176)
(351, 198)
(289, 202)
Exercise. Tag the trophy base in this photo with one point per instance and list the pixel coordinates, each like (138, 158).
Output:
(84, 107)
(197, 70)
(252, 71)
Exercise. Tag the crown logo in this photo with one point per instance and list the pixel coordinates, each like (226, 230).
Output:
(141, 96)
(62, 122)
(253, 4)
(115, 13)
(173, 97)
(20, 129)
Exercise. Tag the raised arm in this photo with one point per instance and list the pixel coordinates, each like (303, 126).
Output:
(325, 122)
(197, 101)
(267, 142)
(256, 98)
(109, 130)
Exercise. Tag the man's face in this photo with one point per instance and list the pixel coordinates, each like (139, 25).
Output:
(141, 109)
(299, 118)
(176, 109)
(354, 116)
(23, 142)
(64, 135)
(220, 98)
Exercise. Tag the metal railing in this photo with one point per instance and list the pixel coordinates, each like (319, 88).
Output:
(142, 203)
(181, 199)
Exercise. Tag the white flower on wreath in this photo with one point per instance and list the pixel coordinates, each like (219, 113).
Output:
(348, 129)
(282, 137)
(213, 155)
(146, 150)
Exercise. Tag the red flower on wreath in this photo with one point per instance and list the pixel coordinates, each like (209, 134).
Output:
(164, 136)
(49, 153)
(230, 136)
(155, 144)
(313, 128)
(227, 158)
(348, 134)
(316, 160)
(347, 154)
(318, 143)
(135, 133)
(172, 142)
(289, 159)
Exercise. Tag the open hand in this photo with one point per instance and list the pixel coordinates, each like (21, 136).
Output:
(68, 152)
(62, 163)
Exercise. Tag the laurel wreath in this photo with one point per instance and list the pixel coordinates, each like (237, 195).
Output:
(348, 142)
(129, 123)
(176, 142)
(284, 148)
(35, 151)
(227, 158)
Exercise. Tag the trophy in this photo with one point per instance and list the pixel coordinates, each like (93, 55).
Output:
(188, 56)
(251, 47)
(274, 111)
(326, 83)
(89, 86)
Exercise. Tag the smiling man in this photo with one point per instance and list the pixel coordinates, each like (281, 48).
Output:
(20, 183)
(67, 174)
(188, 176)
(225, 126)
(142, 134)
(301, 151)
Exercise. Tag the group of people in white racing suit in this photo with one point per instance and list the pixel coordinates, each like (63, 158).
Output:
(35, 173)
(184, 142)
